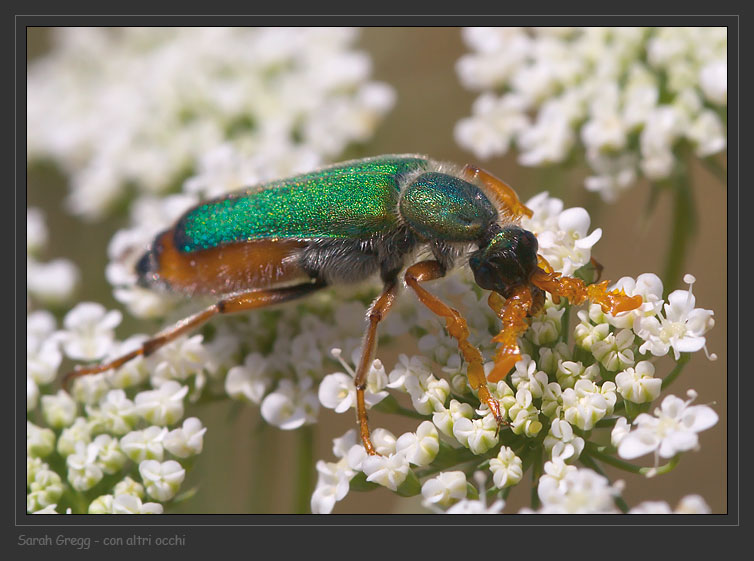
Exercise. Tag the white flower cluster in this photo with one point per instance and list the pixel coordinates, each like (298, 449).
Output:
(144, 108)
(51, 283)
(564, 390)
(626, 96)
(102, 435)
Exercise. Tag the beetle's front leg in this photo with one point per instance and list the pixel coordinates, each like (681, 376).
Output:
(457, 328)
(377, 312)
(512, 312)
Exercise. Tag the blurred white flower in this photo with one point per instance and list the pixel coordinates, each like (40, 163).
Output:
(619, 94)
(89, 331)
(291, 405)
(281, 99)
(249, 381)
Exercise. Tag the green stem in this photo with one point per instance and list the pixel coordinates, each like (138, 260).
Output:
(594, 451)
(589, 462)
(684, 226)
(685, 357)
(536, 472)
(391, 405)
(304, 470)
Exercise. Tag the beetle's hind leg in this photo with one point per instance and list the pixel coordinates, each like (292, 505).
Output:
(457, 328)
(377, 312)
(232, 304)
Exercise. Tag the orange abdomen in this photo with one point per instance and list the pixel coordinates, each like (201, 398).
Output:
(263, 263)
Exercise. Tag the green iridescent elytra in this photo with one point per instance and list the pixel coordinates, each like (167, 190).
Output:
(351, 200)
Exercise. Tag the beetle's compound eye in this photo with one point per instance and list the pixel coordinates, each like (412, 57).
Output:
(507, 260)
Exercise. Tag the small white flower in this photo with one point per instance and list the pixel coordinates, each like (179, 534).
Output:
(562, 234)
(506, 468)
(692, 504)
(144, 444)
(671, 430)
(163, 406)
(639, 385)
(39, 441)
(586, 403)
(421, 447)
(389, 471)
(36, 230)
(338, 392)
(249, 381)
(579, 491)
(445, 418)
(132, 373)
(332, 485)
(180, 359)
(561, 442)
(526, 376)
(524, 415)
(79, 431)
(115, 414)
(620, 430)
(128, 486)
(53, 282)
(713, 79)
(101, 505)
(109, 456)
(42, 362)
(161, 479)
(32, 393)
(89, 331)
(445, 488)
(187, 440)
(59, 410)
(682, 328)
(83, 470)
(478, 435)
(616, 351)
(290, 406)
(130, 504)
(646, 285)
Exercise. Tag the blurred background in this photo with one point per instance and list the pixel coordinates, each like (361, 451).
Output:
(242, 467)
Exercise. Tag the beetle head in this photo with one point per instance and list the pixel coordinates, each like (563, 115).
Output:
(506, 258)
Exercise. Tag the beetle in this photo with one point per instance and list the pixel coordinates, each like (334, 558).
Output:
(283, 240)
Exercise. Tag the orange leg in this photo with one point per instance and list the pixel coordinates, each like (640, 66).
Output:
(457, 328)
(238, 303)
(612, 302)
(512, 311)
(501, 189)
(377, 312)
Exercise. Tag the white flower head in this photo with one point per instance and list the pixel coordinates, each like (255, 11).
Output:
(130, 504)
(586, 403)
(561, 442)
